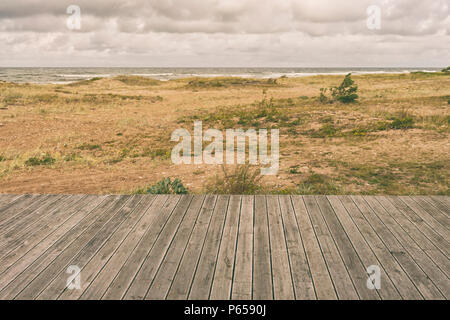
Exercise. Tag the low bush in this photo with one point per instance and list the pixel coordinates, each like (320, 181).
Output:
(165, 186)
(346, 92)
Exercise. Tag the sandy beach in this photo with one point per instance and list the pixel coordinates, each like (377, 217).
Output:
(112, 135)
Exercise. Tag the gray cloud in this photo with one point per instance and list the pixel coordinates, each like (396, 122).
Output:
(225, 33)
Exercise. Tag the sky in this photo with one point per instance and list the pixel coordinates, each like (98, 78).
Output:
(225, 33)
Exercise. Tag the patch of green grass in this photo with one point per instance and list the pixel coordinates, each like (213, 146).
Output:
(12, 98)
(318, 184)
(262, 114)
(2, 158)
(397, 178)
(84, 82)
(45, 159)
(328, 130)
(137, 81)
(72, 157)
(223, 82)
(165, 186)
(44, 98)
(90, 147)
(402, 123)
(294, 170)
(402, 120)
(158, 153)
(422, 74)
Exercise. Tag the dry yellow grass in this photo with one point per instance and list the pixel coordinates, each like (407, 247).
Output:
(113, 135)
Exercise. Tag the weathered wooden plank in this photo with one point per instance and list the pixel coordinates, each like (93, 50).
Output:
(141, 283)
(441, 205)
(25, 255)
(91, 269)
(421, 224)
(15, 248)
(323, 286)
(342, 282)
(283, 288)
(301, 275)
(181, 285)
(437, 214)
(352, 262)
(445, 201)
(166, 273)
(262, 264)
(30, 229)
(124, 278)
(83, 246)
(429, 219)
(243, 266)
(28, 217)
(16, 206)
(223, 276)
(439, 279)
(7, 199)
(28, 267)
(416, 234)
(276, 247)
(415, 273)
(394, 271)
(362, 248)
(104, 242)
(19, 211)
(202, 281)
(103, 280)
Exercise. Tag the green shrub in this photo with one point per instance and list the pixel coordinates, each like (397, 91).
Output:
(243, 180)
(446, 70)
(46, 159)
(345, 93)
(165, 186)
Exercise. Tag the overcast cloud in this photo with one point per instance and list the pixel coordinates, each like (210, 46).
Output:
(223, 33)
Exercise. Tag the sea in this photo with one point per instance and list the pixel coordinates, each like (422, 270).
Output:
(68, 75)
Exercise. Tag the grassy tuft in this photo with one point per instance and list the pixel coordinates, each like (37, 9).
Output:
(243, 180)
(318, 184)
(43, 160)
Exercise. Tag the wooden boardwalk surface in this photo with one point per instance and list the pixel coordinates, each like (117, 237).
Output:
(223, 247)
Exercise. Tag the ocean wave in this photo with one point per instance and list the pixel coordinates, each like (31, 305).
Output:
(84, 76)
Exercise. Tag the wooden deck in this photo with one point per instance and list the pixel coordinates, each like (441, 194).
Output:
(224, 247)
